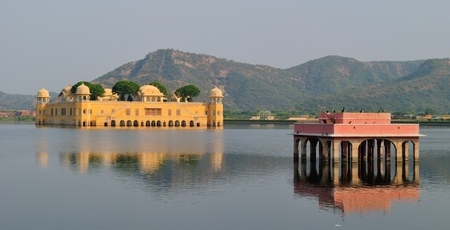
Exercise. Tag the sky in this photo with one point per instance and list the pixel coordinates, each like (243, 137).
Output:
(53, 43)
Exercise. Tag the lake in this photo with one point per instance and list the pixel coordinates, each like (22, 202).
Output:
(238, 177)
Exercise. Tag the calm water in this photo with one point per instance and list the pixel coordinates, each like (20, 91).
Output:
(241, 177)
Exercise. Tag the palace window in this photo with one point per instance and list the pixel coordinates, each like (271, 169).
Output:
(153, 111)
(128, 112)
(136, 112)
(63, 111)
(178, 112)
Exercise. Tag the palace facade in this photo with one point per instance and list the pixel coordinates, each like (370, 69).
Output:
(150, 109)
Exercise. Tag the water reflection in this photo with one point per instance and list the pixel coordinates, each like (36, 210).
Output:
(145, 162)
(359, 187)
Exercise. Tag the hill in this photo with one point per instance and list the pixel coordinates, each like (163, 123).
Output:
(245, 86)
(327, 83)
(16, 101)
(425, 89)
(258, 87)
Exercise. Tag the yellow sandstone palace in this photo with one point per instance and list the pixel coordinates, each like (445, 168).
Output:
(150, 109)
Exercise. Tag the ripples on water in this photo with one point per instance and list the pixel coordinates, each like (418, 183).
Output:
(239, 177)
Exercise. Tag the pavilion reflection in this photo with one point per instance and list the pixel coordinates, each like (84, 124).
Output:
(365, 186)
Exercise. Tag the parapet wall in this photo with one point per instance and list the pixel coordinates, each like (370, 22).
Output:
(355, 118)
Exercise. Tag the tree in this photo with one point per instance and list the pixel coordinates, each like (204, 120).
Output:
(187, 92)
(95, 89)
(125, 88)
(160, 86)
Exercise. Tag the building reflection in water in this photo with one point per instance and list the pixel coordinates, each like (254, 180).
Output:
(147, 154)
(365, 186)
(42, 155)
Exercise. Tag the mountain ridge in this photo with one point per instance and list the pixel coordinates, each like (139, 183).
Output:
(330, 82)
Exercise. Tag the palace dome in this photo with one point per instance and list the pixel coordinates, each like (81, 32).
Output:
(43, 93)
(108, 92)
(67, 89)
(83, 89)
(216, 92)
(149, 90)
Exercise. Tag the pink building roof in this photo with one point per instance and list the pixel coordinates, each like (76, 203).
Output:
(350, 124)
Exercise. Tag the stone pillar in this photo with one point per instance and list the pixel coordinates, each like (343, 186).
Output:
(296, 147)
(387, 149)
(326, 150)
(303, 152)
(405, 150)
(370, 149)
(335, 151)
(355, 152)
(312, 148)
(381, 168)
(344, 149)
(363, 151)
(399, 151)
(379, 143)
(320, 150)
(416, 150)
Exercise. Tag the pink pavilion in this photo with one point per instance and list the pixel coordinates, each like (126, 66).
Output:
(356, 136)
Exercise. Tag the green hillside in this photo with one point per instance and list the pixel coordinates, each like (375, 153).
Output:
(16, 101)
(426, 89)
(327, 83)
(245, 86)
(256, 87)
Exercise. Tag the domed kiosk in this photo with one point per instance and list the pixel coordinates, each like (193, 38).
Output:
(82, 93)
(150, 93)
(215, 108)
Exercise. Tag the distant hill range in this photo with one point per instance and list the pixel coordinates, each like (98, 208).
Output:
(328, 83)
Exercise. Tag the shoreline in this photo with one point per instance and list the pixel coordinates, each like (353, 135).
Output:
(269, 122)
(289, 122)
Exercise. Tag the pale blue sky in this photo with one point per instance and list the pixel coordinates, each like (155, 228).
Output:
(55, 43)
